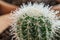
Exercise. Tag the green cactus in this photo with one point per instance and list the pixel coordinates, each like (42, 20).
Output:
(36, 22)
(31, 28)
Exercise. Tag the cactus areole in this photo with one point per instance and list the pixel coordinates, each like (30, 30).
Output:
(35, 22)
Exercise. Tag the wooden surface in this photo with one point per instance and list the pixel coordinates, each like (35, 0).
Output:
(4, 22)
(4, 19)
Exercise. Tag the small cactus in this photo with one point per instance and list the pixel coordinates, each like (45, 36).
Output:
(35, 22)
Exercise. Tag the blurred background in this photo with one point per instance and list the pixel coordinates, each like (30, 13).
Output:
(19, 2)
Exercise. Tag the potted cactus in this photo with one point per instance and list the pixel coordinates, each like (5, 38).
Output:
(35, 22)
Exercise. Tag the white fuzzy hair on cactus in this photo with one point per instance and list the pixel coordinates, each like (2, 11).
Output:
(35, 10)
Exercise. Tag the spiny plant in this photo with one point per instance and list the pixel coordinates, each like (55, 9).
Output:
(35, 22)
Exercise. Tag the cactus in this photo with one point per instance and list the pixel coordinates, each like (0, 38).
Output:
(35, 22)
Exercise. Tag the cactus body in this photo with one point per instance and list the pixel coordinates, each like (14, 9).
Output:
(35, 22)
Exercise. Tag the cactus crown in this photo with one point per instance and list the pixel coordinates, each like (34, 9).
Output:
(35, 22)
